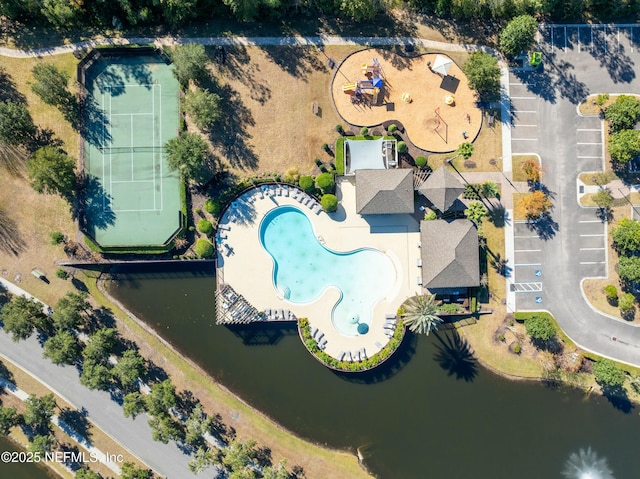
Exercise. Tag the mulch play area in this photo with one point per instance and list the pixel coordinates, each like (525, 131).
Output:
(428, 94)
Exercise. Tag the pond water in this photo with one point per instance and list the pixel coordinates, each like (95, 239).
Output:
(431, 412)
(20, 471)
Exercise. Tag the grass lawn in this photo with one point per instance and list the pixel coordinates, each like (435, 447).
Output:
(597, 178)
(589, 107)
(486, 147)
(517, 162)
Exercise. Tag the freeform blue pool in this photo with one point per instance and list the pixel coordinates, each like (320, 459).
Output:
(304, 268)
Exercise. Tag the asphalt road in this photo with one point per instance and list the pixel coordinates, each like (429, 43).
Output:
(134, 435)
(571, 243)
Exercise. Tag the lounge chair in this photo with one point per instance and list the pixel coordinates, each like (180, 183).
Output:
(224, 227)
(281, 313)
(286, 191)
(419, 263)
(378, 345)
(341, 355)
(389, 316)
(317, 210)
(323, 343)
(419, 280)
(348, 357)
(314, 331)
(356, 356)
(363, 354)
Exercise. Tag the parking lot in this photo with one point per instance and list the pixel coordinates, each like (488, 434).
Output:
(593, 39)
(525, 132)
(591, 245)
(527, 272)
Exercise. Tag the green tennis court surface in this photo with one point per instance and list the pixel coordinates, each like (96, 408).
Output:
(131, 110)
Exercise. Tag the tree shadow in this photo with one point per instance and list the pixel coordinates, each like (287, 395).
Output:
(297, 61)
(496, 216)
(234, 62)
(13, 160)
(263, 334)
(5, 373)
(389, 368)
(545, 227)
(619, 65)
(77, 420)
(95, 130)
(618, 398)
(92, 207)
(115, 82)
(499, 264)
(8, 88)
(11, 242)
(455, 356)
(100, 318)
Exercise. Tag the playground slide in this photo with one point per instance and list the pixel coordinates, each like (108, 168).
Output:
(349, 87)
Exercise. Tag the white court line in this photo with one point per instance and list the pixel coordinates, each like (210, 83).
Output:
(132, 181)
(131, 119)
(131, 114)
(526, 250)
(591, 249)
(110, 152)
(592, 236)
(153, 155)
(160, 133)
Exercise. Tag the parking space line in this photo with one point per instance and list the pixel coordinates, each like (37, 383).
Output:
(589, 156)
(524, 97)
(586, 236)
(591, 249)
(592, 262)
(590, 221)
(526, 111)
(526, 250)
(583, 143)
(589, 129)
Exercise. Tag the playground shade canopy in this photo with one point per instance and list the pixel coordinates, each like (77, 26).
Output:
(369, 155)
(442, 65)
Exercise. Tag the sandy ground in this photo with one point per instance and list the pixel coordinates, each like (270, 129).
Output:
(411, 75)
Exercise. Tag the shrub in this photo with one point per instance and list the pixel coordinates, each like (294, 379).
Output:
(602, 98)
(402, 147)
(318, 162)
(608, 374)
(326, 182)
(204, 248)
(626, 302)
(326, 148)
(392, 128)
(471, 192)
(421, 162)
(612, 293)
(364, 131)
(517, 349)
(292, 175)
(205, 227)
(540, 327)
(430, 215)
(61, 273)
(57, 237)
(307, 184)
(339, 129)
(192, 228)
(198, 211)
(501, 337)
(329, 203)
(209, 206)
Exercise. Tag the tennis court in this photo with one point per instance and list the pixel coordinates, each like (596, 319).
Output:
(131, 111)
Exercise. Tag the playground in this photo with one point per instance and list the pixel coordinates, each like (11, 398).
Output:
(428, 94)
(130, 111)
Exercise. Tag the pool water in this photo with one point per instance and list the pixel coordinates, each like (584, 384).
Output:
(304, 268)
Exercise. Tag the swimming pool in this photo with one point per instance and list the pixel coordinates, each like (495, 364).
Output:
(304, 268)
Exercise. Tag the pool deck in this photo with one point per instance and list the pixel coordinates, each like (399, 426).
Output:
(248, 269)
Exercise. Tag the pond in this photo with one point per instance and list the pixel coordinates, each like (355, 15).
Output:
(20, 471)
(431, 412)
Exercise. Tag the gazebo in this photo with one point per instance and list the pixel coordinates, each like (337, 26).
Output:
(442, 65)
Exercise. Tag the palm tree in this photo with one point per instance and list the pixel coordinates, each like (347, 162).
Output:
(420, 314)
(489, 189)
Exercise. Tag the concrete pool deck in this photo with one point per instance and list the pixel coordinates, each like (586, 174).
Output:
(249, 268)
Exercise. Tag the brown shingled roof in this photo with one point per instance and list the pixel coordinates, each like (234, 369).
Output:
(384, 191)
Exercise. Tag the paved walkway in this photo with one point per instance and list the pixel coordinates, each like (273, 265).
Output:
(69, 431)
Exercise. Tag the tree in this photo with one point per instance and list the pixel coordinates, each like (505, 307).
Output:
(276, 472)
(203, 107)
(133, 404)
(629, 268)
(536, 204)
(465, 150)
(178, 12)
(20, 316)
(95, 375)
(326, 182)
(41, 444)
(518, 35)
(100, 345)
(540, 328)
(203, 458)
(190, 63)
(329, 203)
(130, 471)
(608, 374)
(603, 198)
(489, 189)
(38, 412)
(188, 154)
(627, 303)
(307, 183)
(623, 114)
(9, 418)
(68, 313)
(60, 13)
(483, 73)
(165, 429)
(129, 368)
(51, 171)
(626, 236)
(476, 212)
(244, 10)
(358, 10)
(85, 473)
(62, 348)
(197, 425)
(239, 454)
(50, 85)
(420, 314)
(531, 168)
(16, 125)
(624, 145)
(162, 398)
